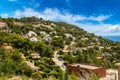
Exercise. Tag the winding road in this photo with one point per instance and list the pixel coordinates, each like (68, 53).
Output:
(58, 62)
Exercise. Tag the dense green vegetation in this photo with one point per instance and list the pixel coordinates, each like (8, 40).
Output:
(51, 36)
(12, 63)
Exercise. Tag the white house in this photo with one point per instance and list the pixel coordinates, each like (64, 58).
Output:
(68, 35)
(43, 32)
(33, 39)
(31, 33)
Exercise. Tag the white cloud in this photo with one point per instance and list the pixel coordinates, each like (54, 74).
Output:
(99, 18)
(56, 15)
(4, 15)
(101, 29)
(114, 28)
(27, 13)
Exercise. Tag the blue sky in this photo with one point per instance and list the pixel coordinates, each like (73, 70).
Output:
(101, 17)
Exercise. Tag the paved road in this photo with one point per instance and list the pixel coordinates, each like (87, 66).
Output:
(58, 62)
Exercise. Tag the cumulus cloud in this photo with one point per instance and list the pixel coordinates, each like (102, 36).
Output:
(55, 14)
(26, 13)
(101, 29)
(99, 18)
(4, 15)
(114, 28)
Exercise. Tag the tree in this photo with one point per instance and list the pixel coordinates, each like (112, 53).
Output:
(73, 77)
(36, 76)
(48, 52)
(3, 54)
(61, 75)
(57, 42)
(16, 56)
(60, 52)
(40, 47)
(24, 69)
(8, 67)
(66, 76)
(93, 77)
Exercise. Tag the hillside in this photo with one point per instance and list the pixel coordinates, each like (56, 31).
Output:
(41, 49)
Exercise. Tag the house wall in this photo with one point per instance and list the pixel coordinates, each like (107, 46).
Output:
(72, 69)
(81, 71)
(100, 71)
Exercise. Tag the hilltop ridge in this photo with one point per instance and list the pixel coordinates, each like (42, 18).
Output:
(37, 40)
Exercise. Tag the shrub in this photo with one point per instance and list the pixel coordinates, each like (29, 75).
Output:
(36, 76)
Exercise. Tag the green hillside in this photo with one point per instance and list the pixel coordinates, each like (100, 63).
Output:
(21, 38)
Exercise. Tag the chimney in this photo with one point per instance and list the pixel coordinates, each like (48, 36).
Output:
(118, 65)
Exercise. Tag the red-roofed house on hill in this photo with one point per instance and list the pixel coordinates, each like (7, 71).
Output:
(82, 69)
